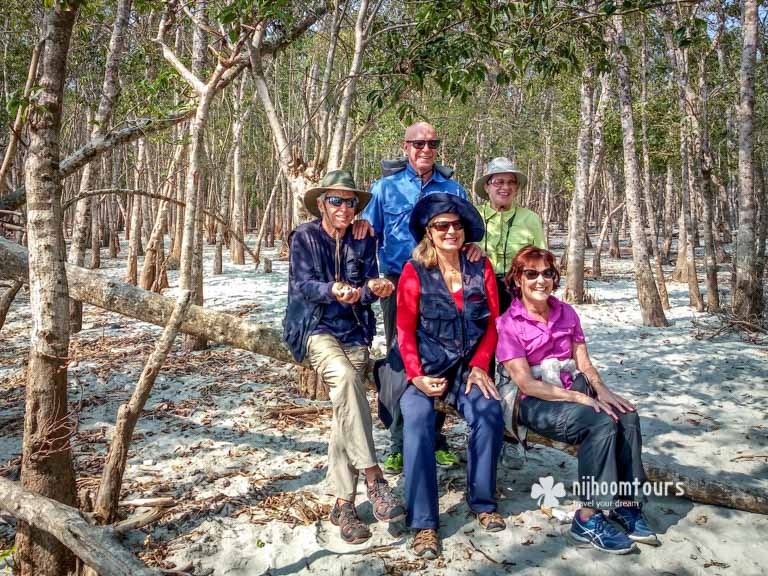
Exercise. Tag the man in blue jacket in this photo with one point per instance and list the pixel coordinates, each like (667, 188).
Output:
(388, 212)
(333, 280)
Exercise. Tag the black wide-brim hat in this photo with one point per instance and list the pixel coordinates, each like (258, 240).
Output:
(440, 203)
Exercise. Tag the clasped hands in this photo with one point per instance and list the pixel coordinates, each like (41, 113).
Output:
(346, 294)
(435, 387)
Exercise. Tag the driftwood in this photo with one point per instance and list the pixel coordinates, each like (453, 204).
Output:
(102, 291)
(96, 546)
(129, 413)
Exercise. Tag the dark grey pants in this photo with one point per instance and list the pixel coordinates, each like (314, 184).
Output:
(609, 455)
(389, 312)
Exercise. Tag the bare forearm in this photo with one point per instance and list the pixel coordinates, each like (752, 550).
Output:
(544, 391)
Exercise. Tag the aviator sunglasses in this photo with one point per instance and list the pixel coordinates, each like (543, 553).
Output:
(531, 274)
(419, 144)
(338, 201)
(446, 225)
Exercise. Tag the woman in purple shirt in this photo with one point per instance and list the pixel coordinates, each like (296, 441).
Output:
(561, 396)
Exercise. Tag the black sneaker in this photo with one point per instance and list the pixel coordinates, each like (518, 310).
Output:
(386, 506)
(353, 530)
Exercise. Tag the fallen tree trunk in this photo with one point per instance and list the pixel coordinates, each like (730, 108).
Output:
(102, 291)
(97, 547)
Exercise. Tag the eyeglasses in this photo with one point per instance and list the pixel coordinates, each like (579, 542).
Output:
(338, 201)
(500, 182)
(445, 225)
(419, 144)
(531, 274)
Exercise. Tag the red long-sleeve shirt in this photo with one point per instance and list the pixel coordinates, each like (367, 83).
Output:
(408, 291)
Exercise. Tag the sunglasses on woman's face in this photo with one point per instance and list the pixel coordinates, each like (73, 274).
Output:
(531, 274)
(338, 201)
(419, 144)
(445, 225)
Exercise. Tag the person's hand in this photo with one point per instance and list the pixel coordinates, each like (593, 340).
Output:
(381, 287)
(361, 229)
(473, 252)
(479, 377)
(596, 404)
(613, 400)
(344, 293)
(431, 386)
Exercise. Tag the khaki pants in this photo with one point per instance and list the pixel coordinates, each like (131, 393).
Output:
(351, 446)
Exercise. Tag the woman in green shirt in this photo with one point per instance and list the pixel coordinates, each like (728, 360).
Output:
(508, 227)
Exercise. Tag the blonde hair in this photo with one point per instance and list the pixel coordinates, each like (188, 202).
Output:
(425, 252)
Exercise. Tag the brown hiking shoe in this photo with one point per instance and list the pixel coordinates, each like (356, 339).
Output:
(386, 506)
(491, 521)
(353, 530)
(426, 544)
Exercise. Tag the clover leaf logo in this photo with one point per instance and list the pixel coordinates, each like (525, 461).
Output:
(547, 490)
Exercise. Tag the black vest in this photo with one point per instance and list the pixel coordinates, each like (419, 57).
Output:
(446, 337)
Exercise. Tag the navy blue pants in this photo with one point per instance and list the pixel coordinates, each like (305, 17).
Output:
(486, 425)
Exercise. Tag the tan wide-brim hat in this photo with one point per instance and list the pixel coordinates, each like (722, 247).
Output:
(500, 165)
(335, 180)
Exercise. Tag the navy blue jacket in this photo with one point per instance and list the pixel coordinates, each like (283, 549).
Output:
(447, 339)
(312, 307)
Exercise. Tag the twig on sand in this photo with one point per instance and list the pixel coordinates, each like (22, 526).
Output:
(750, 457)
(489, 558)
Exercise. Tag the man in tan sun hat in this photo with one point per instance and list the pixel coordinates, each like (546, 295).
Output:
(333, 279)
(508, 227)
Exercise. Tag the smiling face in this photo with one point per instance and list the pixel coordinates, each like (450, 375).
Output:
(538, 289)
(420, 160)
(336, 217)
(444, 233)
(502, 189)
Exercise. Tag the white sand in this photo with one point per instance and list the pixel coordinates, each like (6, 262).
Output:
(239, 476)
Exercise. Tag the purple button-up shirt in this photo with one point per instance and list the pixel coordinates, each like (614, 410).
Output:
(520, 336)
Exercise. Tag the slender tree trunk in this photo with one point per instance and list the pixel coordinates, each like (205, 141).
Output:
(238, 215)
(95, 232)
(648, 295)
(129, 413)
(362, 24)
(690, 178)
(109, 92)
(574, 287)
(545, 215)
(46, 463)
(669, 203)
(134, 242)
(18, 124)
(746, 299)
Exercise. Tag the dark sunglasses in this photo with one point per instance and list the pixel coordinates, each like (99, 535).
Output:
(532, 274)
(338, 201)
(419, 144)
(446, 225)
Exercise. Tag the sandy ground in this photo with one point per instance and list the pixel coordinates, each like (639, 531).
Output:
(249, 484)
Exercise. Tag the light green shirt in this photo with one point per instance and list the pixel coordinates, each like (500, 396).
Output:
(507, 232)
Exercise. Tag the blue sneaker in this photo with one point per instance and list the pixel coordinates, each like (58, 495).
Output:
(601, 534)
(633, 522)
